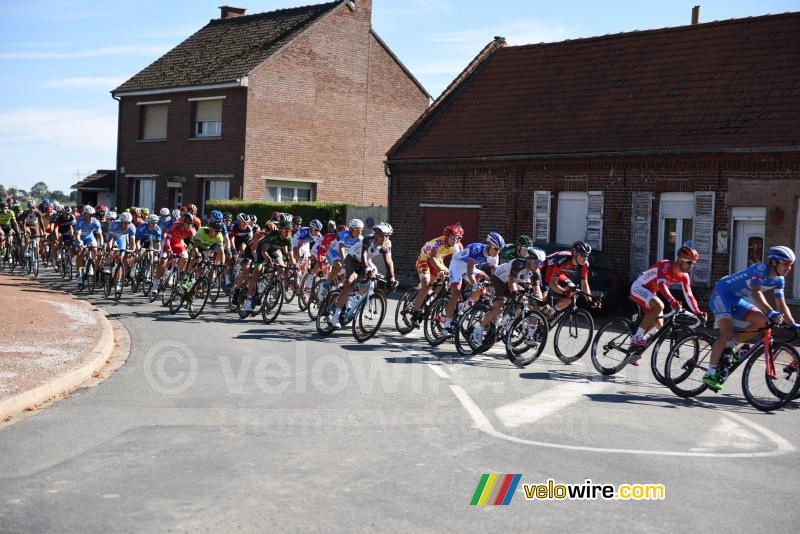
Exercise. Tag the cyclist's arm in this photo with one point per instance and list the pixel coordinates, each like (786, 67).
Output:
(687, 293)
(781, 306)
(758, 299)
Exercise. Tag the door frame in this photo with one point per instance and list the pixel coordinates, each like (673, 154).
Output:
(742, 213)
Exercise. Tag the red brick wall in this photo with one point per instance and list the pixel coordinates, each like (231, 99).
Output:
(506, 191)
(308, 106)
(180, 155)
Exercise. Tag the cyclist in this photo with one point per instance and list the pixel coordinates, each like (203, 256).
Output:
(32, 224)
(358, 264)
(463, 265)
(88, 230)
(337, 251)
(297, 223)
(175, 241)
(656, 279)
(121, 237)
(207, 240)
(516, 250)
(65, 227)
(273, 247)
(165, 219)
(728, 302)
(8, 224)
(431, 261)
(47, 209)
(304, 238)
(507, 279)
(149, 236)
(561, 266)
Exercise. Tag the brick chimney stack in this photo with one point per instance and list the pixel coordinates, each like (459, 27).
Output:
(228, 12)
(695, 15)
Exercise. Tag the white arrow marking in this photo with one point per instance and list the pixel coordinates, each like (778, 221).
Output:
(531, 409)
(728, 435)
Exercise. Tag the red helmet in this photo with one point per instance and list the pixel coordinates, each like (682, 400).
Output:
(688, 253)
(102, 207)
(192, 208)
(275, 217)
(454, 230)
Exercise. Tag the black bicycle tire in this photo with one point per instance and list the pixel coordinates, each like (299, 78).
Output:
(560, 325)
(754, 359)
(406, 300)
(275, 310)
(358, 319)
(621, 323)
(677, 333)
(515, 357)
(672, 384)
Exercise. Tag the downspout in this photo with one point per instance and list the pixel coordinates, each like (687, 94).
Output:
(116, 167)
(388, 174)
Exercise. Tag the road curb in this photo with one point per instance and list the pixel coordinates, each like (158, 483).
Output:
(66, 383)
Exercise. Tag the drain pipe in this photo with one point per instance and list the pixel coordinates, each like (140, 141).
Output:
(116, 167)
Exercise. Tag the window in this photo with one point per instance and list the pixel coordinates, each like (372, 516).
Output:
(144, 193)
(571, 217)
(290, 193)
(215, 190)
(208, 118)
(676, 222)
(153, 118)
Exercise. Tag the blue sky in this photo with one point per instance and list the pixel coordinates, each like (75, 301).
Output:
(60, 58)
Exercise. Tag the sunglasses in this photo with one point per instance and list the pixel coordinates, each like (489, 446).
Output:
(690, 262)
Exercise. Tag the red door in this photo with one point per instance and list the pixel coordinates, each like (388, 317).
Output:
(437, 218)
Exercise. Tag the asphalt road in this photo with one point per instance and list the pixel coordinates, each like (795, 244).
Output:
(218, 424)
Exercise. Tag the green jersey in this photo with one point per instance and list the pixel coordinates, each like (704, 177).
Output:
(203, 240)
(508, 252)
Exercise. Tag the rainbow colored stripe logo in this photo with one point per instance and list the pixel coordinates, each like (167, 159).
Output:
(495, 489)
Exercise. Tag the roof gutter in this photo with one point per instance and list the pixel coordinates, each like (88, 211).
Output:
(241, 82)
(569, 155)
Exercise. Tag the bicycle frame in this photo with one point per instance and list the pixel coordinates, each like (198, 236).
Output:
(351, 313)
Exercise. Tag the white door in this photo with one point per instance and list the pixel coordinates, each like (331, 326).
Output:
(571, 223)
(749, 247)
(147, 194)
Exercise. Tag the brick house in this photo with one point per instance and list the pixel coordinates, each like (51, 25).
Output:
(295, 104)
(635, 142)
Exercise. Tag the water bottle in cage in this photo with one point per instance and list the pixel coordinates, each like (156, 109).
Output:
(351, 301)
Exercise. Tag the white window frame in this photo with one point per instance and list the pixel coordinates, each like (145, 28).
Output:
(207, 179)
(137, 195)
(294, 188)
(680, 238)
(575, 196)
(204, 129)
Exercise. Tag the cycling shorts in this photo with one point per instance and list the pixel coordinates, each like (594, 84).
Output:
(723, 306)
(641, 296)
(89, 241)
(458, 271)
(425, 266)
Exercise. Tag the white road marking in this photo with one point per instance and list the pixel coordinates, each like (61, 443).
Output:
(439, 371)
(728, 435)
(531, 409)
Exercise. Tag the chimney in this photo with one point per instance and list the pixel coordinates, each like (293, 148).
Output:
(695, 15)
(228, 12)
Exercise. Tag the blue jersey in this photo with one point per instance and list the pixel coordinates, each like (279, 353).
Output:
(145, 233)
(344, 238)
(116, 231)
(165, 224)
(739, 285)
(476, 253)
(87, 228)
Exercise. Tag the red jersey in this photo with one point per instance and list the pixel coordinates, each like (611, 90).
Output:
(560, 266)
(325, 244)
(176, 234)
(659, 276)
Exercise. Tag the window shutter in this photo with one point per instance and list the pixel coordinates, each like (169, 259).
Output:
(155, 121)
(541, 216)
(209, 110)
(641, 209)
(703, 239)
(594, 219)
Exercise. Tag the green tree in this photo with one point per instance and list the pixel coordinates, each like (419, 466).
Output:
(3, 192)
(73, 196)
(58, 195)
(40, 190)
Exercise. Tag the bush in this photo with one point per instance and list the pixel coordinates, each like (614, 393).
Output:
(324, 211)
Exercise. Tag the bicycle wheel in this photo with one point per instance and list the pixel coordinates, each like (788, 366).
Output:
(611, 346)
(273, 302)
(686, 364)
(198, 296)
(135, 274)
(369, 317)
(177, 298)
(35, 267)
(466, 325)
(242, 299)
(90, 278)
(318, 295)
(324, 327)
(768, 389)
(661, 349)
(169, 280)
(216, 283)
(148, 278)
(403, 320)
(433, 325)
(304, 291)
(289, 287)
(524, 346)
(106, 283)
(118, 287)
(573, 335)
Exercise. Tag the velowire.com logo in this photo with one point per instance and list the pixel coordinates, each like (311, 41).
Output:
(495, 489)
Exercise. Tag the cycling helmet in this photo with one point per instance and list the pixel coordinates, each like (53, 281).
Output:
(315, 223)
(254, 219)
(46, 201)
(187, 217)
(100, 213)
(88, 209)
(216, 215)
(384, 228)
(286, 217)
(145, 212)
(67, 210)
(102, 207)
(163, 212)
(496, 240)
(297, 220)
(4, 206)
(215, 225)
(536, 254)
(524, 241)
(781, 254)
(688, 253)
(176, 214)
(31, 204)
(152, 218)
(227, 216)
(276, 215)
(126, 217)
(243, 217)
(582, 247)
(454, 230)
(356, 223)
(112, 215)
(16, 207)
(192, 208)
(283, 223)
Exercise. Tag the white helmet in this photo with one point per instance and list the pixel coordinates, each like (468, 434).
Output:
(152, 218)
(111, 215)
(88, 209)
(384, 228)
(163, 212)
(356, 223)
(125, 217)
(536, 254)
